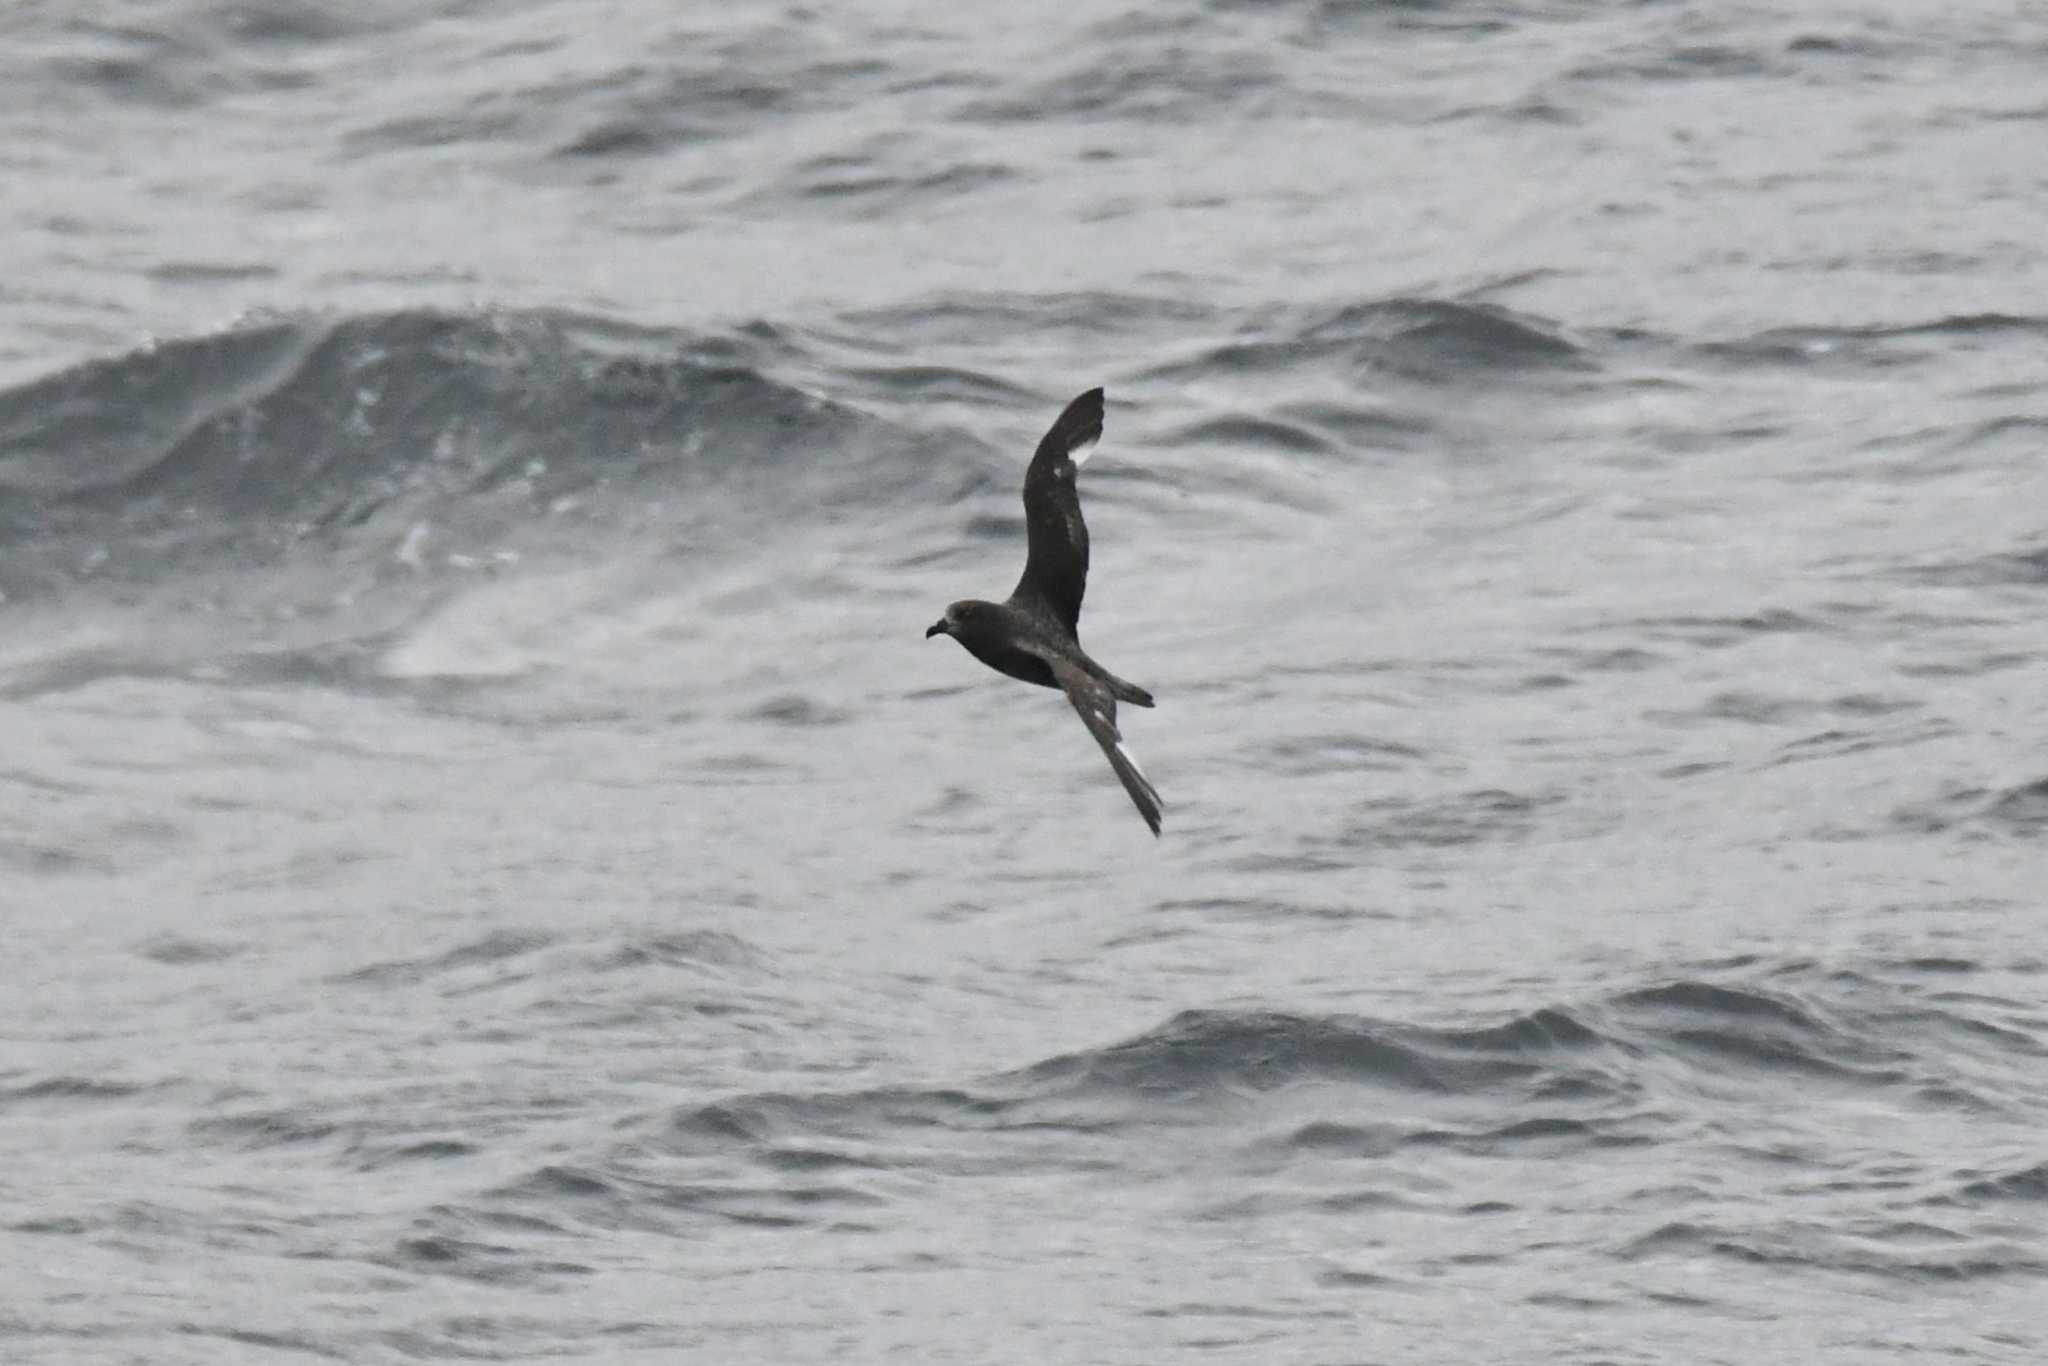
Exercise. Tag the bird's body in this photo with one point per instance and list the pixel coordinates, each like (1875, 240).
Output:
(1018, 642)
(1034, 635)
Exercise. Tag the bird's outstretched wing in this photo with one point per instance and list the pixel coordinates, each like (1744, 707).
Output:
(1098, 712)
(1056, 571)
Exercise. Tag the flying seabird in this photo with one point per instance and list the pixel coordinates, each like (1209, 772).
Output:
(1034, 636)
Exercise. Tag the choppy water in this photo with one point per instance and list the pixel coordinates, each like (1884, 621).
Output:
(492, 870)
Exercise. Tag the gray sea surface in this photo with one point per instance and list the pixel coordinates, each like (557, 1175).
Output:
(492, 871)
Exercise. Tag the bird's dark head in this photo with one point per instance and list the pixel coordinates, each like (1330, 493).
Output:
(961, 619)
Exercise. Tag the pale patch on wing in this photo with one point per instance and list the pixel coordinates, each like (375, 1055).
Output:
(1121, 747)
(1079, 454)
(1095, 706)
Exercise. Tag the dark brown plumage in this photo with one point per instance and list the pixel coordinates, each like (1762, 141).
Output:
(1035, 636)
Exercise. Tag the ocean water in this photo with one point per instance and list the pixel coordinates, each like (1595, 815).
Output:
(492, 870)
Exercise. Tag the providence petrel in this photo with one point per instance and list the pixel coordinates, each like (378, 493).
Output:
(1035, 635)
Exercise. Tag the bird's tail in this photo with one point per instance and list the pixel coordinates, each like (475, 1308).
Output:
(1127, 692)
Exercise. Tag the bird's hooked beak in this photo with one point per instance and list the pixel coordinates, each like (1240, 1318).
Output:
(937, 628)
